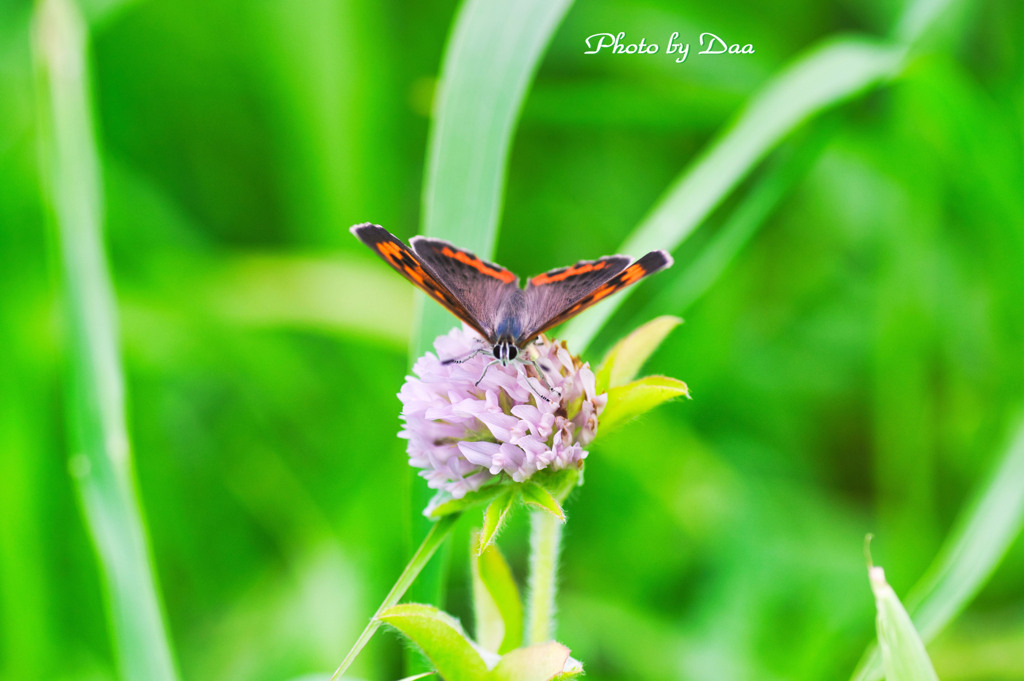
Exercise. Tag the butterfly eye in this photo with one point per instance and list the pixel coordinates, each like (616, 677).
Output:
(504, 351)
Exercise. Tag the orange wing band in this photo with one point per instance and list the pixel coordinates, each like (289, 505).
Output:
(477, 264)
(550, 278)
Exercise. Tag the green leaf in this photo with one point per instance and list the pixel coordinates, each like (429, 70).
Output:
(491, 57)
(903, 654)
(496, 602)
(444, 503)
(626, 402)
(558, 483)
(541, 499)
(623, 362)
(539, 662)
(441, 639)
(495, 515)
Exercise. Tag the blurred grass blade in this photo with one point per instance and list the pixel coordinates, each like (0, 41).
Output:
(492, 53)
(977, 544)
(903, 654)
(918, 17)
(973, 550)
(494, 50)
(100, 460)
(822, 78)
(692, 280)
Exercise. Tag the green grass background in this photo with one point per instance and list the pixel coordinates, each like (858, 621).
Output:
(853, 337)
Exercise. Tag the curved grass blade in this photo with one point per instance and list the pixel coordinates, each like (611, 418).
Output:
(695, 278)
(491, 56)
(100, 460)
(974, 548)
(494, 50)
(827, 75)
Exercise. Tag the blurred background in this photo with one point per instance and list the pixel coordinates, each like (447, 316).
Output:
(855, 358)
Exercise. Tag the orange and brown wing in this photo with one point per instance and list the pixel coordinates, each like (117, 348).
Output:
(489, 292)
(558, 295)
(407, 263)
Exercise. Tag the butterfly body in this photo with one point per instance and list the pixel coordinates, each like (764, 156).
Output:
(488, 297)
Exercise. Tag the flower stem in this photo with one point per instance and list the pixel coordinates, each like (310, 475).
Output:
(545, 541)
(434, 538)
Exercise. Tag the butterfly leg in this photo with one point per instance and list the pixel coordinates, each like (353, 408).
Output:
(484, 372)
(460, 360)
(542, 379)
(539, 373)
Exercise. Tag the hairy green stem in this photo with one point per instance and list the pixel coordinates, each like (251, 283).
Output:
(545, 542)
(441, 529)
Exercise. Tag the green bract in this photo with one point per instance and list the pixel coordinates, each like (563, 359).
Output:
(903, 654)
(629, 398)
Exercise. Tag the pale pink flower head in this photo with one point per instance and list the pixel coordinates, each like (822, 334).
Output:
(462, 434)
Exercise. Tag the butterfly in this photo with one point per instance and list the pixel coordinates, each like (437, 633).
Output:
(488, 298)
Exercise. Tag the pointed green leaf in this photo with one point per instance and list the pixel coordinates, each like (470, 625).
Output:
(983, 533)
(626, 402)
(903, 654)
(558, 483)
(541, 499)
(623, 362)
(440, 637)
(539, 662)
(496, 603)
(495, 515)
(444, 503)
(418, 676)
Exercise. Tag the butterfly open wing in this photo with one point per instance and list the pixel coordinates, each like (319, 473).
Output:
(555, 296)
(407, 263)
(487, 297)
(483, 288)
